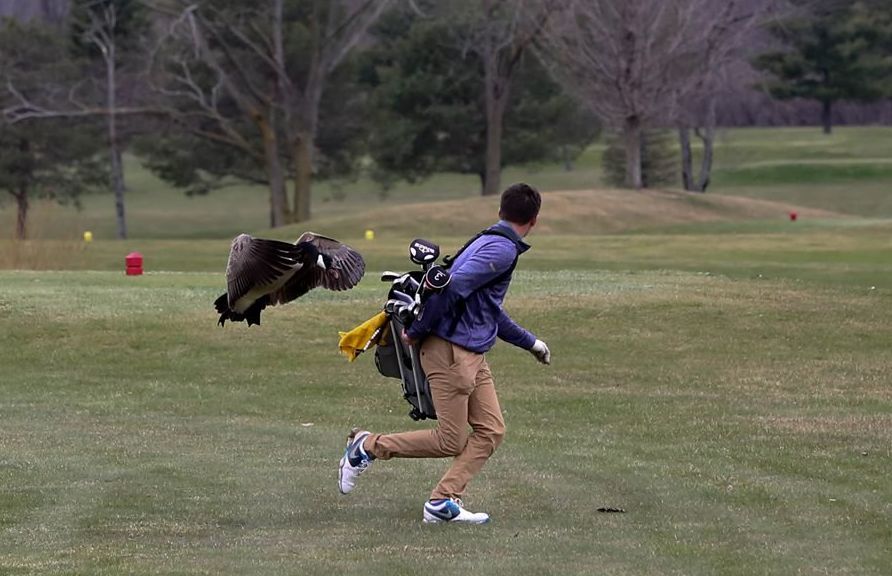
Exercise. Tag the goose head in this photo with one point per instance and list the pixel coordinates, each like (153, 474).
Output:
(314, 257)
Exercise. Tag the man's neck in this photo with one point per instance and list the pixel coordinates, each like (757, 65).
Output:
(521, 229)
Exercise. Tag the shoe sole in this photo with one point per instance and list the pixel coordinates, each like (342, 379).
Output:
(438, 521)
(341, 476)
(350, 437)
(431, 519)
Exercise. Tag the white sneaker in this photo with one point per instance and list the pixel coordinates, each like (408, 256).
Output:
(451, 510)
(354, 462)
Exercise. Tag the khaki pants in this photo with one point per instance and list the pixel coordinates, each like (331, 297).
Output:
(463, 393)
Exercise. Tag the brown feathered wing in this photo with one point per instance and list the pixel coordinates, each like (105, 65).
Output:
(346, 270)
(257, 265)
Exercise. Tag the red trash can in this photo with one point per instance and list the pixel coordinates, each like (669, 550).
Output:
(134, 264)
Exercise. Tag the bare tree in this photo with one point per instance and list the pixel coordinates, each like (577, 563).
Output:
(101, 31)
(336, 27)
(725, 42)
(706, 134)
(633, 63)
(499, 32)
(280, 93)
(206, 76)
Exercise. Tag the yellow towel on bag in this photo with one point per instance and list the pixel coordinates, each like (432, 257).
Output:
(358, 340)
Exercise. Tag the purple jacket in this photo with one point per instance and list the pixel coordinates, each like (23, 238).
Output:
(483, 319)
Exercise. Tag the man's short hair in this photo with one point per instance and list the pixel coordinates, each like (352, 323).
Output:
(520, 203)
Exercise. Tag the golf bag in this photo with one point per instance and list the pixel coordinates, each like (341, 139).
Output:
(396, 359)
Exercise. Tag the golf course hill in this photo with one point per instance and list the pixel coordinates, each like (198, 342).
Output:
(600, 211)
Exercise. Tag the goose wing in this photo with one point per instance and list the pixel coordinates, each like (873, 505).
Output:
(347, 265)
(346, 270)
(257, 266)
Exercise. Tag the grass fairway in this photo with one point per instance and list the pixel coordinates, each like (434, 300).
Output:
(848, 171)
(729, 390)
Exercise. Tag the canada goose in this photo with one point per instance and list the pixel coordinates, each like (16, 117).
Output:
(269, 272)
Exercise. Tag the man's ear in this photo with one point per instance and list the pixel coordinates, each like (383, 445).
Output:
(533, 221)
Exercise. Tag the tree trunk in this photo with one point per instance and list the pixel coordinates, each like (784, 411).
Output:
(278, 195)
(493, 161)
(303, 176)
(303, 140)
(827, 116)
(566, 159)
(117, 175)
(687, 160)
(496, 100)
(632, 134)
(21, 223)
(708, 138)
(117, 166)
(280, 212)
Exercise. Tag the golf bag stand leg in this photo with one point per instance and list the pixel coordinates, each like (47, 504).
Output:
(419, 375)
(395, 332)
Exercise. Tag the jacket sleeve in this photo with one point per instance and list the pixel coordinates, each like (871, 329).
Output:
(512, 333)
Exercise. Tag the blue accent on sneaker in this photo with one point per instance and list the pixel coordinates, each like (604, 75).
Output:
(444, 509)
(356, 455)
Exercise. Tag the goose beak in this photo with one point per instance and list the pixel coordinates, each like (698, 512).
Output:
(320, 262)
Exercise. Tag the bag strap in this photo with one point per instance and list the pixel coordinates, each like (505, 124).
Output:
(449, 260)
(462, 306)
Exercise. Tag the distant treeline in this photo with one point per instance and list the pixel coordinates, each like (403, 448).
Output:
(283, 93)
(46, 10)
(745, 105)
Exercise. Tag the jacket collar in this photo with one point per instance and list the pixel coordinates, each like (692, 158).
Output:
(504, 226)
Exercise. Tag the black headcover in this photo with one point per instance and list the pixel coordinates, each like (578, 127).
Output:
(436, 278)
(422, 252)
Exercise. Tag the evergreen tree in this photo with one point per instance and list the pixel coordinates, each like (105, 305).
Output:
(428, 107)
(827, 59)
(871, 20)
(50, 158)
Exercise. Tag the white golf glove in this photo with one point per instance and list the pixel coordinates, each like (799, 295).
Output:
(541, 352)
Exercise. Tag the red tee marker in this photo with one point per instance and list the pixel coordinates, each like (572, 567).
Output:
(134, 264)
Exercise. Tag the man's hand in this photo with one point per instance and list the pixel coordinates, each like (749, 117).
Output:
(541, 352)
(407, 339)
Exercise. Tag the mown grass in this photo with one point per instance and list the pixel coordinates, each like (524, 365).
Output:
(797, 173)
(841, 252)
(847, 171)
(730, 391)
